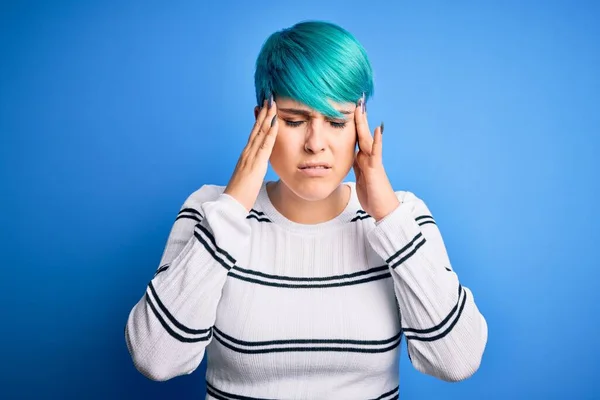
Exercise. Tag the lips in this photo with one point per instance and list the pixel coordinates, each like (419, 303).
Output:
(315, 166)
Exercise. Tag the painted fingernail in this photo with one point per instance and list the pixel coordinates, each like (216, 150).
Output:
(274, 120)
(382, 127)
(363, 103)
(270, 101)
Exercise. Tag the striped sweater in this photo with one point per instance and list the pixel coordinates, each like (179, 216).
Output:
(284, 310)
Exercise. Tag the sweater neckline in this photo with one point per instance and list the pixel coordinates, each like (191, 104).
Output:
(349, 212)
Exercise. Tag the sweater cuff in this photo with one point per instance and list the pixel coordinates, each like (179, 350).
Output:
(232, 205)
(396, 235)
(228, 227)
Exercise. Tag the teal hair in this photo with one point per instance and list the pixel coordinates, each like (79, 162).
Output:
(313, 62)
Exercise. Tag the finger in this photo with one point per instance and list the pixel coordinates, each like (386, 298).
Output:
(266, 147)
(259, 120)
(377, 149)
(264, 127)
(365, 140)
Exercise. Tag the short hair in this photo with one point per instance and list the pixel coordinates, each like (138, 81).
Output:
(311, 62)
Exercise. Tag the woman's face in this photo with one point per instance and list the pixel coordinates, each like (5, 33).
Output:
(306, 136)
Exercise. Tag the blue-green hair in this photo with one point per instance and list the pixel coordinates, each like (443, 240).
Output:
(313, 62)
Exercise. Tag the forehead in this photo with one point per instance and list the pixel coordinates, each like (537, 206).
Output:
(287, 102)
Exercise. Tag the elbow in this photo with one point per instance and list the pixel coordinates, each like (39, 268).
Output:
(461, 371)
(154, 365)
(146, 363)
(466, 365)
(153, 371)
(458, 364)
(456, 369)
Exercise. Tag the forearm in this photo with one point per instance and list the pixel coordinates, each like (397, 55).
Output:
(169, 328)
(446, 333)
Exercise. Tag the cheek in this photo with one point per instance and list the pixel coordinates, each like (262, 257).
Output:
(345, 148)
(284, 150)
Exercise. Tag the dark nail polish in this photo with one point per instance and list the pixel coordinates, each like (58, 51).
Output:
(273, 120)
(270, 101)
(382, 127)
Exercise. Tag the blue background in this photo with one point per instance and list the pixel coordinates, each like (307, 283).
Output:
(111, 113)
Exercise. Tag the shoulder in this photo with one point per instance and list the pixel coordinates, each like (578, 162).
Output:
(412, 200)
(407, 196)
(203, 194)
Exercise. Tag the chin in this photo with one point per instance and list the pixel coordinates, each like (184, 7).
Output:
(313, 189)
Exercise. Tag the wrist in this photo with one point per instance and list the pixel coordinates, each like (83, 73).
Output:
(393, 205)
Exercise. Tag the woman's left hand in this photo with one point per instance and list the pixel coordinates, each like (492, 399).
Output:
(373, 188)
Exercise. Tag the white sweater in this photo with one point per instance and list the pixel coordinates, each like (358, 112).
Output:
(290, 311)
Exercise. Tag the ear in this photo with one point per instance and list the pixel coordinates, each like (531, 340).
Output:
(256, 111)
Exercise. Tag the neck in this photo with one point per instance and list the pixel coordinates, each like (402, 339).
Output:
(302, 211)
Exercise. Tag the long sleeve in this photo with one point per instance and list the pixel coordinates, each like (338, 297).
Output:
(167, 331)
(445, 331)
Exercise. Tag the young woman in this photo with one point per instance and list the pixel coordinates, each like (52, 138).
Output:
(303, 288)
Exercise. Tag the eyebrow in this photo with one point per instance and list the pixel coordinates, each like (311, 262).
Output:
(306, 113)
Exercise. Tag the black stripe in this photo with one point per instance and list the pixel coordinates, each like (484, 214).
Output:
(252, 216)
(196, 214)
(444, 321)
(306, 349)
(308, 341)
(172, 319)
(427, 222)
(171, 331)
(216, 396)
(393, 391)
(359, 217)
(310, 286)
(162, 269)
(259, 213)
(212, 240)
(211, 251)
(402, 250)
(189, 217)
(423, 217)
(361, 212)
(312, 279)
(441, 335)
(410, 254)
(219, 394)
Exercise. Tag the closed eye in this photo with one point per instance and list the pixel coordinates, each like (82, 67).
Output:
(337, 125)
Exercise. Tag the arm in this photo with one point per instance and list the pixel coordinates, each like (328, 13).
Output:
(446, 334)
(168, 330)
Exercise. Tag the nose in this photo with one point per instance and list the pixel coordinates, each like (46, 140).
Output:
(315, 140)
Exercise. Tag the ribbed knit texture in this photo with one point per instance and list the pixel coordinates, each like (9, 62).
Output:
(290, 311)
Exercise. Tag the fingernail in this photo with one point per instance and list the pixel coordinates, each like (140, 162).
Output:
(274, 120)
(382, 127)
(270, 100)
(364, 106)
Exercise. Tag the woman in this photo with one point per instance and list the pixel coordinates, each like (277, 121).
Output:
(303, 288)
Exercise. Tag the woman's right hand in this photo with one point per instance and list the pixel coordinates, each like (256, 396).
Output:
(250, 171)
